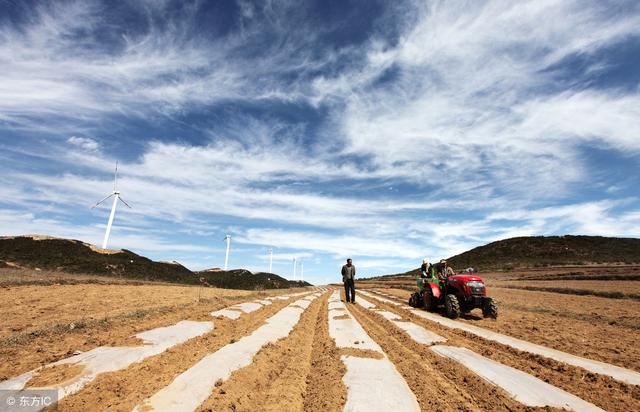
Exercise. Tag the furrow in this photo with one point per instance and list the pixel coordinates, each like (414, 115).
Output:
(299, 372)
(195, 385)
(622, 374)
(521, 386)
(373, 384)
(109, 359)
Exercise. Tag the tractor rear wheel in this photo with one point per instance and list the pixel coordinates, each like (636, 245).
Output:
(452, 306)
(415, 301)
(429, 301)
(490, 309)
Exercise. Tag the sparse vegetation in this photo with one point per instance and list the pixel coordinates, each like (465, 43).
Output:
(543, 251)
(243, 279)
(74, 256)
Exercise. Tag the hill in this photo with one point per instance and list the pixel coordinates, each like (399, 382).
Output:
(540, 251)
(544, 251)
(74, 256)
(243, 279)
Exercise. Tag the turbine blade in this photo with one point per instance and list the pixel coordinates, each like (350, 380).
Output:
(115, 178)
(126, 204)
(94, 206)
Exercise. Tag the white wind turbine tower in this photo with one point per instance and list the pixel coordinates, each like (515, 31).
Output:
(294, 268)
(226, 256)
(116, 197)
(270, 260)
(302, 270)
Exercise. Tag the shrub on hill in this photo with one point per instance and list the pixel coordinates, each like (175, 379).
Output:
(543, 251)
(74, 256)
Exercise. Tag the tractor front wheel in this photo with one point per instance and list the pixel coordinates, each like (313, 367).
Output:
(452, 306)
(490, 309)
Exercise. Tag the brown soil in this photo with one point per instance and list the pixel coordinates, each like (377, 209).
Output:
(438, 383)
(602, 391)
(123, 390)
(28, 309)
(53, 375)
(280, 376)
(49, 323)
(12, 274)
(304, 370)
(595, 328)
(326, 370)
(360, 353)
(619, 289)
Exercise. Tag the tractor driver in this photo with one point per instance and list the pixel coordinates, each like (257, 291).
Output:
(441, 270)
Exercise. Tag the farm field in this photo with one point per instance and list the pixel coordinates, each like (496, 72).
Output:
(306, 349)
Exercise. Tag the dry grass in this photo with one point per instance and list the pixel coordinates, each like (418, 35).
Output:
(34, 309)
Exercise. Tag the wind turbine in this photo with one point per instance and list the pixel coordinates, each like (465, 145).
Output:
(270, 260)
(116, 197)
(294, 268)
(226, 257)
(302, 270)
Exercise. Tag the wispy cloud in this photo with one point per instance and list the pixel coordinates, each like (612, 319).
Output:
(84, 142)
(435, 127)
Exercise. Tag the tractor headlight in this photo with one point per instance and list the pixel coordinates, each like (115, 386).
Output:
(476, 287)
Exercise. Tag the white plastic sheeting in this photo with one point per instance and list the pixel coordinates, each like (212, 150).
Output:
(110, 359)
(523, 387)
(195, 385)
(227, 313)
(234, 312)
(416, 332)
(372, 384)
(380, 298)
(247, 307)
(616, 372)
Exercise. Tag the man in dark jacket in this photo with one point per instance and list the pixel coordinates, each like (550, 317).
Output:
(441, 269)
(348, 276)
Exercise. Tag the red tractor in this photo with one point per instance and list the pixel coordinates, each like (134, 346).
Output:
(458, 293)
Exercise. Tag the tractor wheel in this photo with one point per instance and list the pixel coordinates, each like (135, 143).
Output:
(429, 301)
(415, 300)
(452, 306)
(490, 309)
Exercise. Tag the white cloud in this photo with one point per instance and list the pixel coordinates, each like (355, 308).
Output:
(465, 103)
(287, 257)
(462, 123)
(84, 143)
(341, 245)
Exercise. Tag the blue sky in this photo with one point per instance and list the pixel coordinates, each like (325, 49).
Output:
(381, 131)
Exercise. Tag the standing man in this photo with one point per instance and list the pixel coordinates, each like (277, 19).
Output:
(348, 276)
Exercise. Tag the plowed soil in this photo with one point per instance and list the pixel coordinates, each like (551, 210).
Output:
(602, 391)
(299, 372)
(123, 390)
(304, 371)
(595, 328)
(43, 324)
(448, 387)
